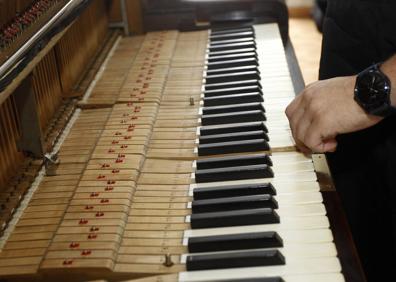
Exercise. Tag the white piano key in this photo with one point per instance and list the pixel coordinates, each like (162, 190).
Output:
(285, 168)
(324, 277)
(301, 210)
(286, 157)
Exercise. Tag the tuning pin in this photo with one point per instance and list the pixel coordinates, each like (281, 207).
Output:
(192, 101)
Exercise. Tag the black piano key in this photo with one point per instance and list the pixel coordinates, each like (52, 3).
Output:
(231, 70)
(237, 136)
(230, 84)
(228, 91)
(231, 30)
(244, 75)
(232, 63)
(233, 191)
(230, 40)
(233, 99)
(233, 173)
(217, 60)
(263, 279)
(231, 51)
(232, 147)
(222, 31)
(234, 35)
(234, 203)
(247, 116)
(230, 161)
(233, 108)
(233, 90)
(235, 260)
(254, 126)
(229, 242)
(234, 218)
(232, 46)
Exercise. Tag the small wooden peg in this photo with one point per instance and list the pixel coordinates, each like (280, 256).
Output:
(168, 260)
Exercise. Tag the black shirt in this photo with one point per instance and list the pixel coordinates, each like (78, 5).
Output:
(356, 34)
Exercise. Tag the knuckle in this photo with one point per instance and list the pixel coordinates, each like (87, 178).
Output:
(315, 108)
(322, 121)
(310, 140)
(288, 111)
(309, 93)
(316, 112)
(300, 133)
(294, 125)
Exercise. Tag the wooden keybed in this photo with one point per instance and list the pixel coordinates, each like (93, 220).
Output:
(117, 207)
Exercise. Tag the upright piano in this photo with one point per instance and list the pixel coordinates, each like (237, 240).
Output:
(159, 157)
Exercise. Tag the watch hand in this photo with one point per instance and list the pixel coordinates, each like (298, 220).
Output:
(372, 81)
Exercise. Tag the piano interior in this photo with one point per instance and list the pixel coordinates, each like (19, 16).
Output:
(147, 141)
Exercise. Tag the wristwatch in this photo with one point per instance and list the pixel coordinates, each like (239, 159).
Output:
(372, 92)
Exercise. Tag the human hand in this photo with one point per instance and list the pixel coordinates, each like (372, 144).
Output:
(323, 110)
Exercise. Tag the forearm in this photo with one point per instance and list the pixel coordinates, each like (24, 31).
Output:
(389, 68)
(330, 107)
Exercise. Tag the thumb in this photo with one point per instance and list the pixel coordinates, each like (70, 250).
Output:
(330, 145)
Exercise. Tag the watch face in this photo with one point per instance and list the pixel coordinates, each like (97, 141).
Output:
(373, 89)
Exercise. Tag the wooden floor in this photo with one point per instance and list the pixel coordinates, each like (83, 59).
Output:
(307, 42)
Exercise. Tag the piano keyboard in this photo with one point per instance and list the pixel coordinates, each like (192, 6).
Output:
(228, 239)
(192, 172)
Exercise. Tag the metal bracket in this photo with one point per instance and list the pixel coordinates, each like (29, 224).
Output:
(31, 140)
(51, 163)
(124, 22)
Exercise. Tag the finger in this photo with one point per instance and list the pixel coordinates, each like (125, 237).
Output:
(302, 148)
(302, 126)
(293, 106)
(295, 120)
(316, 139)
(330, 145)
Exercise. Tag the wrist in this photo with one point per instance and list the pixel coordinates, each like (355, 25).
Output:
(389, 69)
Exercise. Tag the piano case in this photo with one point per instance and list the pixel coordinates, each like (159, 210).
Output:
(188, 15)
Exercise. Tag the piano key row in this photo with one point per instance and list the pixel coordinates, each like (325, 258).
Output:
(216, 209)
